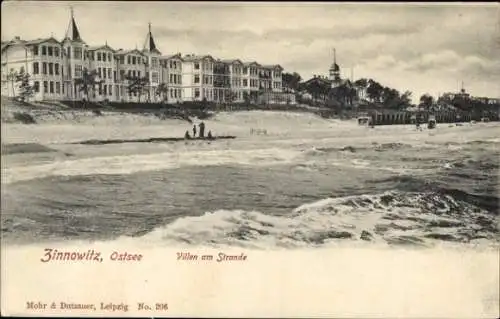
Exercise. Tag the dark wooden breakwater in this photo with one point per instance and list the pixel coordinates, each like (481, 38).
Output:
(391, 118)
(153, 140)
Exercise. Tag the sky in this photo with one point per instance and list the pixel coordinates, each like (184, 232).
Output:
(423, 48)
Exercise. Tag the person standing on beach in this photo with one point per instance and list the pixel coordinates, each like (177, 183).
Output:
(194, 130)
(202, 129)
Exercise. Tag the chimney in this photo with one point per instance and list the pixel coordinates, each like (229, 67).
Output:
(18, 38)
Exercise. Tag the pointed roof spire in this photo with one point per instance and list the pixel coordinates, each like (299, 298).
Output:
(72, 33)
(149, 44)
(335, 66)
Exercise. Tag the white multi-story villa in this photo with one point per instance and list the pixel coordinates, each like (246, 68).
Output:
(197, 77)
(251, 77)
(171, 75)
(58, 68)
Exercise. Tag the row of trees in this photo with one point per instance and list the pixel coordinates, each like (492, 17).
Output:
(346, 93)
(88, 83)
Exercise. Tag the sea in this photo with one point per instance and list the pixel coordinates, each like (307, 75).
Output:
(271, 194)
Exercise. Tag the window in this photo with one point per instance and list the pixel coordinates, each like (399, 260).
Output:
(133, 60)
(196, 78)
(245, 82)
(56, 51)
(171, 93)
(100, 88)
(35, 50)
(77, 53)
(62, 73)
(170, 62)
(44, 68)
(104, 57)
(154, 62)
(196, 92)
(109, 57)
(68, 53)
(170, 78)
(58, 87)
(129, 73)
(99, 72)
(133, 73)
(36, 70)
(50, 51)
(45, 87)
(56, 68)
(44, 50)
(122, 59)
(196, 66)
(109, 73)
(154, 77)
(110, 90)
(51, 83)
(117, 91)
(128, 59)
(78, 71)
(138, 74)
(51, 68)
(36, 86)
(122, 75)
(98, 56)
(103, 73)
(62, 89)
(114, 77)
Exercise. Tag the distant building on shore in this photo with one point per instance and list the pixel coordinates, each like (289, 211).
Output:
(335, 80)
(55, 65)
(466, 96)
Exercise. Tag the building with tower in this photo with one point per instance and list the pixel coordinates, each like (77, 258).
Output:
(334, 72)
(58, 68)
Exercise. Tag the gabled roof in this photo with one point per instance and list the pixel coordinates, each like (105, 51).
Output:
(192, 57)
(318, 79)
(232, 61)
(125, 52)
(251, 63)
(171, 56)
(25, 43)
(101, 47)
(39, 41)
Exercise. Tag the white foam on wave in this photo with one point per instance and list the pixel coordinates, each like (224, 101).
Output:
(136, 163)
(388, 218)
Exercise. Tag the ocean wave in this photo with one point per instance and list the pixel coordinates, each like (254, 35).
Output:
(392, 218)
(111, 165)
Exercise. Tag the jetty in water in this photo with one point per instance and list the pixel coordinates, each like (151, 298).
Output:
(154, 140)
(394, 117)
